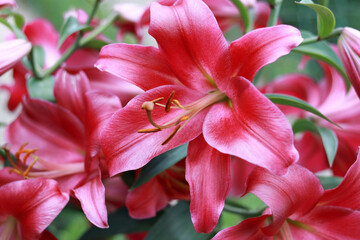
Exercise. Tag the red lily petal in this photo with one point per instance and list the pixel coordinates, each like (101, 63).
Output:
(69, 92)
(329, 222)
(34, 203)
(240, 172)
(347, 193)
(100, 107)
(7, 3)
(248, 229)
(253, 129)
(143, 66)
(145, 201)
(19, 89)
(126, 149)
(42, 33)
(197, 53)
(293, 194)
(261, 47)
(208, 174)
(107, 82)
(35, 125)
(92, 198)
(11, 52)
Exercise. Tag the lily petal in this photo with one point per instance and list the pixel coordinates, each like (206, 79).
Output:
(248, 229)
(92, 198)
(253, 129)
(12, 52)
(197, 53)
(261, 47)
(69, 92)
(143, 66)
(208, 174)
(347, 193)
(293, 194)
(126, 149)
(329, 222)
(145, 201)
(34, 203)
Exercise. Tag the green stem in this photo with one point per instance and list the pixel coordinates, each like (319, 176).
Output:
(244, 14)
(75, 45)
(242, 211)
(335, 33)
(274, 14)
(36, 71)
(98, 30)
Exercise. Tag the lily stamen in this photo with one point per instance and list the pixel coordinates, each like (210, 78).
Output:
(169, 101)
(172, 134)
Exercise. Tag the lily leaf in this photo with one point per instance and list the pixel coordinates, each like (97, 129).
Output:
(160, 164)
(296, 102)
(176, 224)
(120, 222)
(328, 137)
(42, 89)
(70, 26)
(329, 182)
(323, 52)
(325, 18)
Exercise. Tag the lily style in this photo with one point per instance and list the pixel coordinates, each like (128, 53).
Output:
(198, 89)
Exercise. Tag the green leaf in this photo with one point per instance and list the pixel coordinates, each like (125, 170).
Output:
(328, 137)
(325, 18)
(18, 33)
(19, 20)
(296, 102)
(120, 222)
(70, 26)
(42, 89)
(95, 44)
(323, 52)
(160, 164)
(176, 224)
(329, 182)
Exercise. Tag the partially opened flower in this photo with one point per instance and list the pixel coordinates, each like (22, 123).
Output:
(197, 91)
(349, 49)
(300, 209)
(27, 207)
(11, 52)
(63, 140)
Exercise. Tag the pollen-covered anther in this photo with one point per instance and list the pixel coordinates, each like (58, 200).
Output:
(149, 130)
(169, 102)
(148, 106)
(172, 134)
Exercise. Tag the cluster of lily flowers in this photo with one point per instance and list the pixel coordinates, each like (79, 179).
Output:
(111, 111)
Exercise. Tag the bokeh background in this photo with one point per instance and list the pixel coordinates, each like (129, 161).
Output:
(72, 223)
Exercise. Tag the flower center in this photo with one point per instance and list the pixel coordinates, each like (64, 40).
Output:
(179, 121)
(19, 162)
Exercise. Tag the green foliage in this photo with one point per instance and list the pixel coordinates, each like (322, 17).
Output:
(328, 137)
(325, 18)
(42, 89)
(70, 26)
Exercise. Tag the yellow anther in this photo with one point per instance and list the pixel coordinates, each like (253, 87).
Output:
(172, 134)
(157, 100)
(169, 101)
(149, 130)
(177, 103)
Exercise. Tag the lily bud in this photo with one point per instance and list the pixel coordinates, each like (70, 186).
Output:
(349, 49)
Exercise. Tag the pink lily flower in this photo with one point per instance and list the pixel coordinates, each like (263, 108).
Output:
(66, 136)
(349, 49)
(210, 103)
(300, 208)
(7, 3)
(331, 98)
(11, 52)
(27, 207)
